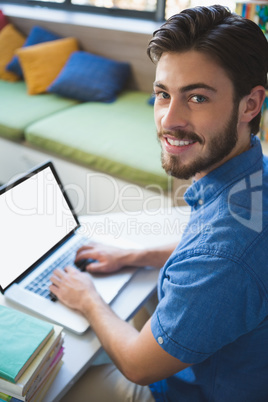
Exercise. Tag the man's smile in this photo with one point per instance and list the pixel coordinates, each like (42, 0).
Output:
(174, 145)
(178, 143)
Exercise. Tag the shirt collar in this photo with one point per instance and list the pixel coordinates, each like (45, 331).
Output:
(207, 188)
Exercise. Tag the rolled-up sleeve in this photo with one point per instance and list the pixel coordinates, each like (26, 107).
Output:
(206, 301)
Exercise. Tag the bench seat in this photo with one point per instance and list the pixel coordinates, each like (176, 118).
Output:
(18, 109)
(116, 138)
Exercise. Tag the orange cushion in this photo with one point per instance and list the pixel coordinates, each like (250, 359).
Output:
(10, 40)
(43, 62)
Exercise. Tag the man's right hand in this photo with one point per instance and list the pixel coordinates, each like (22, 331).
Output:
(107, 258)
(110, 259)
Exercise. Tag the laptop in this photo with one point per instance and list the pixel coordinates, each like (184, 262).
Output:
(39, 231)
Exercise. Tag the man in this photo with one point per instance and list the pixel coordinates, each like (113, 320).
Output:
(207, 340)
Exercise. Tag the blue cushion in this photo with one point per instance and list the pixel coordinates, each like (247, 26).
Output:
(37, 35)
(88, 77)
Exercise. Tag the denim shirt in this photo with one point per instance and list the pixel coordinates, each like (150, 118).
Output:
(213, 290)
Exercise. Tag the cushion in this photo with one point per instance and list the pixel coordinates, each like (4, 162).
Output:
(151, 100)
(37, 35)
(42, 63)
(88, 77)
(116, 138)
(3, 20)
(27, 109)
(10, 40)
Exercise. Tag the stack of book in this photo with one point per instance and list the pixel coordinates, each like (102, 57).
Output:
(31, 353)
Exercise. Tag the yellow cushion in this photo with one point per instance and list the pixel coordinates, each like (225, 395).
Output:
(43, 62)
(10, 40)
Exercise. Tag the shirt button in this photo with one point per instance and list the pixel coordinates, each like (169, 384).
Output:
(200, 202)
(160, 340)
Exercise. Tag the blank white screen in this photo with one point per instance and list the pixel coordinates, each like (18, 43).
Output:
(34, 217)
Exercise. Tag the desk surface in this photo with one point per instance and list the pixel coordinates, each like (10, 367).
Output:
(145, 230)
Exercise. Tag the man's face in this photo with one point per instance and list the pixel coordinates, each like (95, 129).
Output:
(195, 115)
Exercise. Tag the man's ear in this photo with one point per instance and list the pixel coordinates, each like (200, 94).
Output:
(251, 104)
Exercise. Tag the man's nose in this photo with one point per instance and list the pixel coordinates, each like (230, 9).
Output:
(174, 117)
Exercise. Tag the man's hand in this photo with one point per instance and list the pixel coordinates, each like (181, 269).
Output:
(111, 259)
(72, 287)
(108, 258)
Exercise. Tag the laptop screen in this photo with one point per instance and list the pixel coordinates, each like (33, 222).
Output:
(35, 216)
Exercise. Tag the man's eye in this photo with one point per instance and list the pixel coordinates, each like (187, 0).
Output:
(198, 99)
(161, 95)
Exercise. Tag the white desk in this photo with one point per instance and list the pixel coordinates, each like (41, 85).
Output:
(156, 228)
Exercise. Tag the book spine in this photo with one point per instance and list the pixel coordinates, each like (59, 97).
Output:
(41, 380)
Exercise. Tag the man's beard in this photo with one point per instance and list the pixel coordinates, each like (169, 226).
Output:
(219, 147)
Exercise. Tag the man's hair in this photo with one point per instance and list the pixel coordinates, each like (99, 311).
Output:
(237, 44)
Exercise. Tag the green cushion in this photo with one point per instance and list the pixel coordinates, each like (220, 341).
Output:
(117, 138)
(18, 110)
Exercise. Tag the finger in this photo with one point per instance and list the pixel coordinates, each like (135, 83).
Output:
(69, 269)
(86, 254)
(96, 267)
(54, 289)
(88, 246)
(81, 254)
(58, 273)
(55, 280)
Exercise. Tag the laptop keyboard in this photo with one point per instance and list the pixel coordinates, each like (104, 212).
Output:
(41, 283)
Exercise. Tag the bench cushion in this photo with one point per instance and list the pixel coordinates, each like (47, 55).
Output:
(117, 138)
(18, 110)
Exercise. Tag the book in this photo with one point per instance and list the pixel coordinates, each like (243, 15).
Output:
(42, 382)
(21, 338)
(5, 398)
(41, 377)
(45, 355)
(43, 389)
